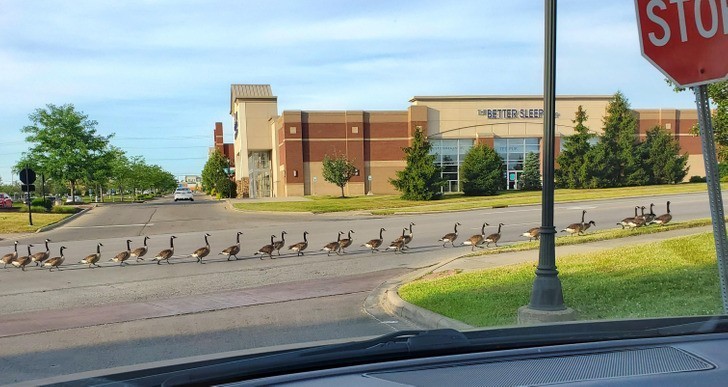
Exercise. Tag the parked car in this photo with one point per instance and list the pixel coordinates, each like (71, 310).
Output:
(74, 199)
(183, 194)
(5, 200)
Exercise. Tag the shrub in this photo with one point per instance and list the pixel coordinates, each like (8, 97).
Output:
(482, 171)
(36, 209)
(65, 210)
(39, 202)
(698, 179)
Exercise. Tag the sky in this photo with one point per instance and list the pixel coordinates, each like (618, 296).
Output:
(157, 74)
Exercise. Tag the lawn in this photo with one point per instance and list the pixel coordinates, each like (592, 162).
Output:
(389, 204)
(675, 277)
(14, 222)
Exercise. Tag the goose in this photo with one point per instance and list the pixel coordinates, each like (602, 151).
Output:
(375, 243)
(398, 244)
(166, 254)
(278, 245)
(41, 256)
(625, 223)
(495, 237)
(532, 233)
(649, 218)
(267, 249)
(232, 251)
(55, 261)
(346, 242)
(124, 255)
(333, 246)
(300, 246)
(139, 252)
(661, 220)
(578, 228)
(10, 257)
(477, 239)
(202, 252)
(408, 237)
(91, 259)
(21, 262)
(638, 221)
(451, 236)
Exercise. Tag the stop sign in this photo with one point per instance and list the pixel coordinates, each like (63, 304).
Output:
(686, 39)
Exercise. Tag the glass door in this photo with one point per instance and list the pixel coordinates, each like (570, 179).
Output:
(260, 174)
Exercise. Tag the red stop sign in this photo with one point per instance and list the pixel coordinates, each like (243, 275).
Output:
(686, 39)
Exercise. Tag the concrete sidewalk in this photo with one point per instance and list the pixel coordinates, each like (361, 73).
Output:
(387, 298)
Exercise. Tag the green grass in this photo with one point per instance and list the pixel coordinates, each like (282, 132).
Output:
(675, 277)
(16, 222)
(389, 204)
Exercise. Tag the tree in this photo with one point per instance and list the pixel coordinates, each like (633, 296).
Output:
(421, 179)
(214, 178)
(531, 176)
(572, 160)
(718, 95)
(482, 171)
(338, 170)
(65, 142)
(663, 162)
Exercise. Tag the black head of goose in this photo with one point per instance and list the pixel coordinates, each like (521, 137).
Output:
(232, 251)
(203, 251)
(451, 236)
(55, 261)
(41, 256)
(374, 244)
(10, 257)
(664, 218)
(139, 252)
(300, 246)
(495, 237)
(267, 249)
(166, 254)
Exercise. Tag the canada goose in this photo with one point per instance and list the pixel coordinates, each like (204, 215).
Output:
(202, 252)
(21, 262)
(10, 257)
(139, 252)
(649, 218)
(233, 250)
(578, 228)
(625, 223)
(451, 236)
(346, 242)
(166, 254)
(300, 246)
(267, 249)
(495, 237)
(638, 221)
(477, 239)
(91, 259)
(333, 246)
(41, 256)
(375, 243)
(278, 245)
(124, 255)
(55, 261)
(661, 220)
(398, 244)
(532, 233)
(408, 237)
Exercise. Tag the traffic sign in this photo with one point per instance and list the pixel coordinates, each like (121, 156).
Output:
(685, 39)
(27, 187)
(27, 176)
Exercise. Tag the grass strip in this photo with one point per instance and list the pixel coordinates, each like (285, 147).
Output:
(674, 277)
(17, 222)
(389, 204)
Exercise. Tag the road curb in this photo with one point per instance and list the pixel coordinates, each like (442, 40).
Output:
(385, 298)
(63, 221)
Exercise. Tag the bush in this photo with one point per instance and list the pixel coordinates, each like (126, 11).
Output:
(39, 202)
(65, 210)
(723, 170)
(482, 171)
(698, 179)
(36, 209)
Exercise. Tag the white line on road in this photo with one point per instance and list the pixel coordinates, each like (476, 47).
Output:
(113, 225)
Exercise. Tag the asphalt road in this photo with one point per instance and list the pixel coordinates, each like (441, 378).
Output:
(335, 313)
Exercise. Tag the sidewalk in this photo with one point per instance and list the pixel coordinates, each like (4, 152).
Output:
(386, 297)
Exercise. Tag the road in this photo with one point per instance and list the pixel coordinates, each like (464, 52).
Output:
(145, 312)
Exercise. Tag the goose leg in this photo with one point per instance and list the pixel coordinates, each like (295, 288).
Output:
(159, 262)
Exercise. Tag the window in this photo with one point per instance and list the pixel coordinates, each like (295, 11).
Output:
(450, 155)
(513, 151)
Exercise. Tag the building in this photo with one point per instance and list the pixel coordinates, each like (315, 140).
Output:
(281, 154)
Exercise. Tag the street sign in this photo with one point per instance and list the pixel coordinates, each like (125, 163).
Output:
(27, 187)
(685, 39)
(27, 176)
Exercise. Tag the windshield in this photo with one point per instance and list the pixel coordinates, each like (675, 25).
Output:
(192, 178)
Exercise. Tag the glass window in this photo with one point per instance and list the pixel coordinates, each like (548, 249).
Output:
(450, 154)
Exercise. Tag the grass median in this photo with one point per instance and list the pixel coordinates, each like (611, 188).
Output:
(674, 277)
(17, 222)
(389, 204)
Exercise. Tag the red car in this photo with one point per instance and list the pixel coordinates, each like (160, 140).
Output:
(5, 200)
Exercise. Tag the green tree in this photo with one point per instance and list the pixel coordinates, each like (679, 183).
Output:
(571, 172)
(65, 142)
(214, 178)
(718, 95)
(338, 170)
(531, 176)
(482, 171)
(663, 162)
(421, 179)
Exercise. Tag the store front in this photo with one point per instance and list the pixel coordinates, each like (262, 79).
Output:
(513, 151)
(450, 155)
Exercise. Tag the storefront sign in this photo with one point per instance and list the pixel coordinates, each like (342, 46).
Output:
(510, 114)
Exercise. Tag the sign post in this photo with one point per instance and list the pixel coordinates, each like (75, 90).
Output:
(27, 176)
(686, 42)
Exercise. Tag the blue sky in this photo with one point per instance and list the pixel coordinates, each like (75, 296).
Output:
(158, 73)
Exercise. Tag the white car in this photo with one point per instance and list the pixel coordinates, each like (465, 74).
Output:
(74, 199)
(183, 194)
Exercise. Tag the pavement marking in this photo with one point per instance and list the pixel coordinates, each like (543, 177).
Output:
(113, 225)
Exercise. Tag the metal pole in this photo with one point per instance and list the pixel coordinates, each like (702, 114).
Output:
(714, 194)
(547, 293)
(30, 213)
